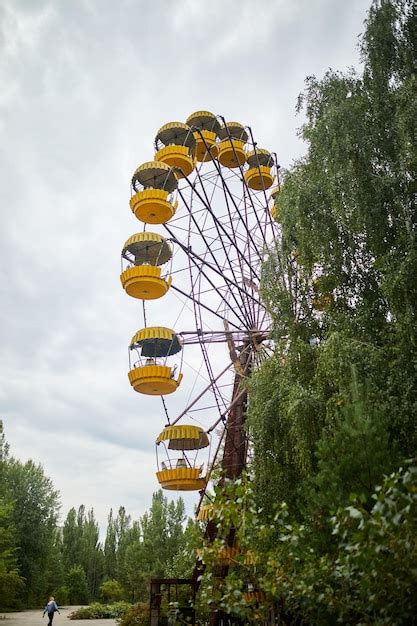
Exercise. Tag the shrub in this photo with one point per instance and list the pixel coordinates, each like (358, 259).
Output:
(101, 611)
(110, 591)
(136, 615)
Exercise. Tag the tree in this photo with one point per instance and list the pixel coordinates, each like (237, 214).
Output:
(92, 558)
(162, 533)
(81, 547)
(11, 583)
(147, 548)
(135, 576)
(110, 547)
(130, 573)
(76, 583)
(184, 559)
(4, 446)
(368, 578)
(71, 540)
(54, 570)
(34, 517)
(121, 528)
(348, 233)
(332, 412)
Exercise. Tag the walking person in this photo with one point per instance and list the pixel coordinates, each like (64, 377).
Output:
(50, 608)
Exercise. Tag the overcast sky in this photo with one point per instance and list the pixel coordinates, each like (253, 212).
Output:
(85, 85)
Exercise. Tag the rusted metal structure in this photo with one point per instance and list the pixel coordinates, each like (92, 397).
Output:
(213, 192)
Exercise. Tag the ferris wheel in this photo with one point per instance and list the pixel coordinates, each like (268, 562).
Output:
(207, 205)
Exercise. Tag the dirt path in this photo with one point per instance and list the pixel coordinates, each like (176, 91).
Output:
(34, 618)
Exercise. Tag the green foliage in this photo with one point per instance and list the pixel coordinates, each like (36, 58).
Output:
(101, 611)
(332, 411)
(353, 455)
(124, 534)
(149, 548)
(135, 576)
(11, 583)
(348, 208)
(54, 570)
(61, 595)
(369, 577)
(76, 582)
(37, 558)
(91, 553)
(134, 552)
(110, 591)
(33, 519)
(376, 548)
(80, 546)
(110, 548)
(184, 559)
(71, 540)
(162, 533)
(4, 446)
(136, 615)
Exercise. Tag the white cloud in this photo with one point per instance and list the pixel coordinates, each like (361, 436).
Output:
(85, 86)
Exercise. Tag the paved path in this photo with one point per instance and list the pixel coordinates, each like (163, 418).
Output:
(34, 618)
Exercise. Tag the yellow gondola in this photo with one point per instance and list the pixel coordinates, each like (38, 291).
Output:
(323, 298)
(251, 558)
(175, 145)
(227, 555)
(153, 183)
(274, 198)
(275, 191)
(145, 253)
(254, 596)
(150, 374)
(232, 145)
(181, 472)
(205, 127)
(259, 176)
(205, 512)
(323, 301)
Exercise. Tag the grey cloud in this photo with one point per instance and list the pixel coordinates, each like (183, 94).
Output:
(86, 86)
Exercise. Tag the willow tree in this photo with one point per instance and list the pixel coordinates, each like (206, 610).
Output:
(334, 408)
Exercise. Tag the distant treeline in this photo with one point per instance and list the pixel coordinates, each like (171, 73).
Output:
(38, 558)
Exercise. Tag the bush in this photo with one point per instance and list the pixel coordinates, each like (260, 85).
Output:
(367, 575)
(101, 611)
(110, 591)
(136, 615)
